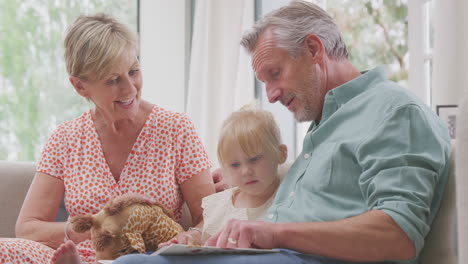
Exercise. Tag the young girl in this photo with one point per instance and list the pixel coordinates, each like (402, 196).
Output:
(249, 150)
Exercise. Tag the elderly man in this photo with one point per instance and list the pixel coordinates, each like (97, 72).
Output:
(374, 164)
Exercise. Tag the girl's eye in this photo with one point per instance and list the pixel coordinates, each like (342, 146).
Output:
(235, 164)
(256, 158)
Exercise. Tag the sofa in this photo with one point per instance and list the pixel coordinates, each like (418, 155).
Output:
(441, 246)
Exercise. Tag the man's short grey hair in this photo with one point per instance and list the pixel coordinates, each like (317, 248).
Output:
(292, 23)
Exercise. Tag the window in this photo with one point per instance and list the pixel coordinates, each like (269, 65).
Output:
(421, 44)
(35, 95)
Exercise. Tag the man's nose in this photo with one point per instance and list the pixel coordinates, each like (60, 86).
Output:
(273, 93)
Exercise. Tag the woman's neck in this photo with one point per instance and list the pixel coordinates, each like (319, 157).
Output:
(120, 127)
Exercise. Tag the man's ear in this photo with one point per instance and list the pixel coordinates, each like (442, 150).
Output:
(314, 46)
(79, 87)
(283, 153)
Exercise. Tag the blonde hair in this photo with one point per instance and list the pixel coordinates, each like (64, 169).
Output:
(94, 44)
(255, 130)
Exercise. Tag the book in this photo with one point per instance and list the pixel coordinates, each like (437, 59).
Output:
(179, 250)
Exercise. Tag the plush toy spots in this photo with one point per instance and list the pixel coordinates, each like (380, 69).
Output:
(128, 224)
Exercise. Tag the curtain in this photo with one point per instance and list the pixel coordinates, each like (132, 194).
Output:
(220, 76)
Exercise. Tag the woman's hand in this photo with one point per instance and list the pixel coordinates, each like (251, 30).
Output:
(190, 238)
(220, 183)
(77, 237)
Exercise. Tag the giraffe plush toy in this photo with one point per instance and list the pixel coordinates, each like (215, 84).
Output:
(128, 224)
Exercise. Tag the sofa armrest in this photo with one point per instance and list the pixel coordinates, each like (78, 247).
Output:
(15, 178)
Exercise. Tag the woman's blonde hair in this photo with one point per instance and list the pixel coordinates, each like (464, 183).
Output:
(94, 44)
(255, 130)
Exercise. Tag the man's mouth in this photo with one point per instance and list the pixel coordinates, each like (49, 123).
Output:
(288, 101)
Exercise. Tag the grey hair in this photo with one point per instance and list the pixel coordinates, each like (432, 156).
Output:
(292, 23)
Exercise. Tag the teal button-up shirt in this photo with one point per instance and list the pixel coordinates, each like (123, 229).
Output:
(377, 146)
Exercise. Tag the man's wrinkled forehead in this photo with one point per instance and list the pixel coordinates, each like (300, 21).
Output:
(262, 51)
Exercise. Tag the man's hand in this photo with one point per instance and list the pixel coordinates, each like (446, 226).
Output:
(220, 184)
(244, 234)
(190, 238)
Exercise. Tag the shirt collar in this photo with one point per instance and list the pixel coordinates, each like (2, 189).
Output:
(340, 95)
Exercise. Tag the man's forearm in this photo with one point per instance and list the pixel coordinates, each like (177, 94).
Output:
(372, 236)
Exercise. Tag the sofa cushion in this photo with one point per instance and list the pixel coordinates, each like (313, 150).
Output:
(440, 246)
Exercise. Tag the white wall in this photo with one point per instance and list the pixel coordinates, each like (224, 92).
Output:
(165, 40)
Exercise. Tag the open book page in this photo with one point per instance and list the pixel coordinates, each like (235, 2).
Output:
(177, 249)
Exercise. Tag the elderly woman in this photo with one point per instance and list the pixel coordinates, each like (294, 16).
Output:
(122, 145)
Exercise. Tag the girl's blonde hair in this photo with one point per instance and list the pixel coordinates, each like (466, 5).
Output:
(255, 130)
(94, 44)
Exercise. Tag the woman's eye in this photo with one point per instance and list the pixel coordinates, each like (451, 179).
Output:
(112, 81)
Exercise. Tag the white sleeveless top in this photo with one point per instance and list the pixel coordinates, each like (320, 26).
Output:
(218, 208)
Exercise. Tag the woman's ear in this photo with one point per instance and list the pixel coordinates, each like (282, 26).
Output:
(79, 86)
(283, 149)
(314, 47)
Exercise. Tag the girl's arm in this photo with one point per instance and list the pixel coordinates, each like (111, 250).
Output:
(193, 190)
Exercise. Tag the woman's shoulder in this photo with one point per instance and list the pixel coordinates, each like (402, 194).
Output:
(73, 126)
(168, 117)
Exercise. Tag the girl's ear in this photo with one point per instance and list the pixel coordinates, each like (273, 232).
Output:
(283, 153)
(79, 86)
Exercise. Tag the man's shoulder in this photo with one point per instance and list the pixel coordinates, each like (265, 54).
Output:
(391, 95)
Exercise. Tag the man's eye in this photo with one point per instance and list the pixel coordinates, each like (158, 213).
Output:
(133, 72)
(275, 73)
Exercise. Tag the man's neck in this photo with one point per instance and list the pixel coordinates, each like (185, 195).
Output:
(339, 72)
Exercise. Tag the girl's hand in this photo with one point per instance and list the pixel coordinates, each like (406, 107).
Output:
(245, 234)
(190, 238)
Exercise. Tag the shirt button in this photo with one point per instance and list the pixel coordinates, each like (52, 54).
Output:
(291, 194)
(270, 216)
(306, 156)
